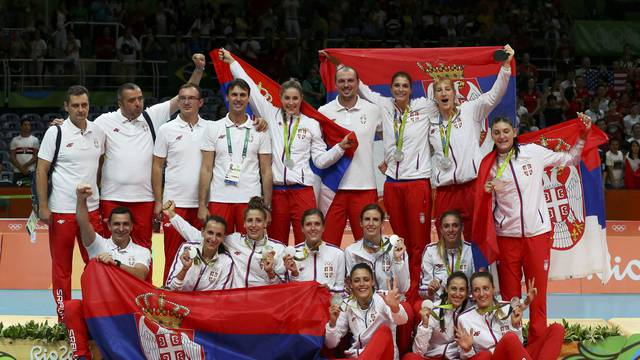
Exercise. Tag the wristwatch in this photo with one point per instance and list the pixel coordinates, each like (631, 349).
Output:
(118, 262)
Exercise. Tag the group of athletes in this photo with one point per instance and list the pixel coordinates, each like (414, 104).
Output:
(228, 192)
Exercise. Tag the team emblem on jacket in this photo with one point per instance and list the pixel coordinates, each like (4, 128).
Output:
(565, 203)
(457, 123)
(328, 270)
(302, 133)
(96, 143)
(527, 169)
(131, 260)
(363, 119)
(214, 274)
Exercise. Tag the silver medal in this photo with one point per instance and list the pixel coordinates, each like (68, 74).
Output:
(398, 155)
(445, 163)
(289, 163)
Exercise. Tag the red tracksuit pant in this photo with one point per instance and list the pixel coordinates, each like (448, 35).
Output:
(288, 203)
(347, 204)
(456, 197)
(63, 233)
(77, 329)
(531, 255)
(172, 239)
(232, 213)
(408, 204)
(510, 347)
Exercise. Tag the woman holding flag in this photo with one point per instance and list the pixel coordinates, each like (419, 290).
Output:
(510, 188)
(295, 139)
(455, 136)
(632, 167)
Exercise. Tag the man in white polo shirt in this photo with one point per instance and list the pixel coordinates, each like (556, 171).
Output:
(118, 251)
(178, 146)
(239, 157)
(358, 186)
(80, 147)
(126, 171)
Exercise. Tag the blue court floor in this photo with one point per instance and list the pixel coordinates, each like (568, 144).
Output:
(601, 306)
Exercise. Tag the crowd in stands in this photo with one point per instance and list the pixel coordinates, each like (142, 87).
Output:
(282, 39)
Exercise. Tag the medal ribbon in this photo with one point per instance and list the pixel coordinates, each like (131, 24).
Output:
(444, 307)
(504, 165)
(288, 136)
(446, 138)
(457, 261)
(399, 133)
(246, 143)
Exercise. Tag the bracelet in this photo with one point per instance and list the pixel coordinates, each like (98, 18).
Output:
(118, 262)
(198, 70)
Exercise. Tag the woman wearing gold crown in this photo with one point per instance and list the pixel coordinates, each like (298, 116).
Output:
(257, 259)
(201, 263)
(455, 136)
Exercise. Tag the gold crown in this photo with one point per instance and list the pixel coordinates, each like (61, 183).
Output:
(442, 71)
(165, 312)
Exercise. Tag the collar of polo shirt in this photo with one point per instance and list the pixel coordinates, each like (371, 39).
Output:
(247, 124)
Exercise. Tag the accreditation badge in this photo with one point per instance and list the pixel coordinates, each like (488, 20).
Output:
(233, 174)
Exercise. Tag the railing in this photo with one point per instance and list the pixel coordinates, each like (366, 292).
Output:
(50, 74)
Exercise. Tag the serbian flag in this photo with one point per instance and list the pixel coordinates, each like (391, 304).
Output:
(575, 201)
(631, 177)
(130, 319)
(473, 70)
(332, 132)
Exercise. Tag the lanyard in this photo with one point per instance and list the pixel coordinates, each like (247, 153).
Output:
(504, 165)
(446, 138)
(399, 133)
(457, 261)
(246, 143)
(288, 136)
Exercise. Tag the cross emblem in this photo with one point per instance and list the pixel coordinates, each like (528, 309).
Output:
(170, 347)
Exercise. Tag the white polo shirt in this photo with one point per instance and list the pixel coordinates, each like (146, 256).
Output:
(77, 163)
(307, 143)
(130, 255)
(464, 141)
(258, 143)
(417, 153)
(126, 171)
(364, 120)
(179, 143)
(25, 147)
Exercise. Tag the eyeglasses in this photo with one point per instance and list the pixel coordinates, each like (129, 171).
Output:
(187, 98)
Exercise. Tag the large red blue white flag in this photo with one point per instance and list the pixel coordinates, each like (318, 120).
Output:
(130, 319)
(575, 201)
(332, 132)
(472, 69)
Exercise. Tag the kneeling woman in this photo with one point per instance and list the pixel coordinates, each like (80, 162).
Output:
(257, 260)
(201, 263)
(364, 313)
(484, 332)
(435, 335)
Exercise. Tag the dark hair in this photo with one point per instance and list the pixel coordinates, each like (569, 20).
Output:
(119, 211)
(291, 83)
(363, 266)
(444, 297)
(25, 119)
(506, 120)
(551, 97)
(310, 212)
(192, 86)
(219, 220)
(451, 212)
(372, 207)
(482, 274)
(403, 74)
(630, 155)
(126, 86)
(239, 83)
(76, 90)
(256, 203)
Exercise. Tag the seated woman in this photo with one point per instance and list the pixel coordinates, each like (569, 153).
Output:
(201, 263)
(364, 312)
(315, 259)
(257, 259)
(435, 335)
(485, 332)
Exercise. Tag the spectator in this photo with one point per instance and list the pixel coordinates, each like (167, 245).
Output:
(178, 49)
(250, 47)
(635, 133)
(152, 48)
(204, 23)
(614, 162)
(38, 51)
(72, 53)
(594, 111)
(105, 48)
(632, 167)
(128, 49)
(531, 97)
(290, 14)
(553, 113)
(196, 44)
(24, 154)
(162, 19)
(631, 119)
(313, 89)
(526, 68)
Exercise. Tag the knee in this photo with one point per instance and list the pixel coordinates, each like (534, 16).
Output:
(555, 331)
(73, 306)
(510, 338)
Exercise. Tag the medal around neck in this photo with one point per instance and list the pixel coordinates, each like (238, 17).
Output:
(289, 163)
(445, 163)
(398, 155)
